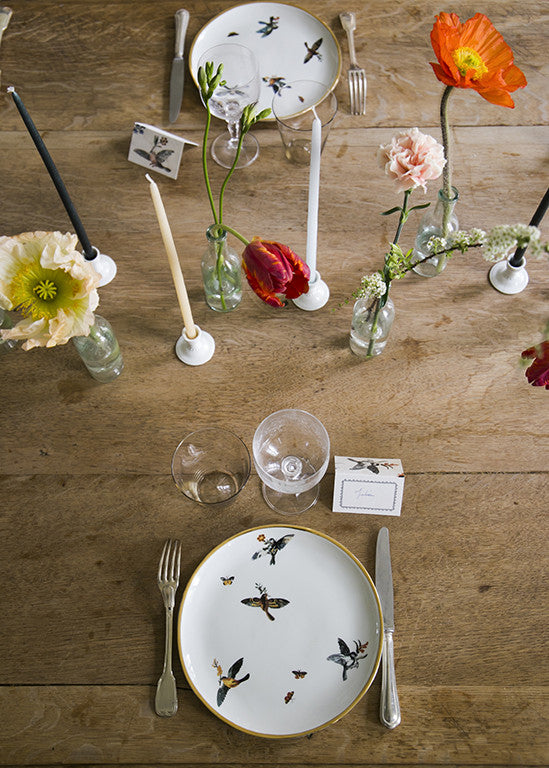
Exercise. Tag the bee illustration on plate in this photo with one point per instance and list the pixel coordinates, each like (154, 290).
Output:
(299, 674)
(272, 547)
(227, 580)
(276, 83)
(347, 658)
(289, 696)
(229, 680)
(265, 602)
(157, 156)
(268, 26)
(313, 51)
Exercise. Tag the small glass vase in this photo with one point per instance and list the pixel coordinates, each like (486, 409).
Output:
(221, 272)
(370, 326)
(100, 352)
(433, 223)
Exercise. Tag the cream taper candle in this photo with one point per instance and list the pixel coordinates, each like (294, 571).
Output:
(173, 259)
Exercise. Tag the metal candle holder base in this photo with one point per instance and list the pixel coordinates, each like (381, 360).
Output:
(508, 279)
(316, 297)
(104, 266)
(195, 351)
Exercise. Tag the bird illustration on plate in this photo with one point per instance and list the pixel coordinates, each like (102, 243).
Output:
(268, 26)
(156, 156)
(347, 658)
(229, 680)
(265, 602)
(276, 83)
(313, 51)
(272, 547)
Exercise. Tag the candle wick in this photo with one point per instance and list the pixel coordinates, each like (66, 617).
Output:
(149, 178)
(315, 114)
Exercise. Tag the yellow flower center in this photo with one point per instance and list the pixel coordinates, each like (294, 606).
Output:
(467, 59)
(38, 292)
(45, 290)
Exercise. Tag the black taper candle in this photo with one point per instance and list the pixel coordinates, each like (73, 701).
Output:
(89, 251)
(516, 258)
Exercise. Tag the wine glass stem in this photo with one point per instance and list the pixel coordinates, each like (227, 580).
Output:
(234, 133)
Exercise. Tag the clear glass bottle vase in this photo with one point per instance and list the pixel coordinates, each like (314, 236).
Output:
(370, 326)
(221, 272)
(100, 352)
(437, 221)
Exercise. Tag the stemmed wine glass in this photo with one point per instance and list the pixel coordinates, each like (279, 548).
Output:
(291, 450)
(242, 84)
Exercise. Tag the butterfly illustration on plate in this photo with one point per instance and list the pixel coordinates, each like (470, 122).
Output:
(268, 26)
(265, 602)
(227, 580)
(229, 680)
(347, 658)
(299, 674)
(157, 156)
(313, 51)
(272, 547)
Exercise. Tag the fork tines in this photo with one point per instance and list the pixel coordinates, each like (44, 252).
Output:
(170, 562)
(357, 91)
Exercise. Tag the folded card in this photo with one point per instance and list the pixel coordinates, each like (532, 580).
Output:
(368, 486)
(156, 149)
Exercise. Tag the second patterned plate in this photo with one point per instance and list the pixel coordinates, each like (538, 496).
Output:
(280, 631)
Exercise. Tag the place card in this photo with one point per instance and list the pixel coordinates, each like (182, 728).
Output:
(368, 486)
(157, 150)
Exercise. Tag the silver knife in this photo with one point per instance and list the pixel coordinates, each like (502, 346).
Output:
(177, 77)
(389, 707)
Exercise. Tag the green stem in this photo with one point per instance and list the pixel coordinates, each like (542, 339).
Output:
(228, 176)
(403, 215)
(235, 234)
(447, 172)
(205, 162)
(369, 352)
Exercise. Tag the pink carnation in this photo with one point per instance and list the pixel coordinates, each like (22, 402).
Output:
(412, 159)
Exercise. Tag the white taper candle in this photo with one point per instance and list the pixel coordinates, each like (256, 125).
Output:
(314, 188)
(173, 260)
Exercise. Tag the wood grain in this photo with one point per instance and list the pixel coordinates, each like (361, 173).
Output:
(87, 495)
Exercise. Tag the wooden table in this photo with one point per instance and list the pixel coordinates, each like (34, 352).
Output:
(87, 494)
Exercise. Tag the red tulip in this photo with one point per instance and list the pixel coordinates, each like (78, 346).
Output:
(273, 269)
(538, 372)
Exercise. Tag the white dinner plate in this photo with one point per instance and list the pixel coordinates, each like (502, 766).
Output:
(289, 43)
(280, 631)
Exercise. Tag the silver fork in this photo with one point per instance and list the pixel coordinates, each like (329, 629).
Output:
(165, 702)
(356, 75)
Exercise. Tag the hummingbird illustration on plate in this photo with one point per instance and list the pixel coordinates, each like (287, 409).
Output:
(265, 602)
(268, 26)
(229, 680)
(313, 51)
(272, 547)
(347, 658)
(156, 157)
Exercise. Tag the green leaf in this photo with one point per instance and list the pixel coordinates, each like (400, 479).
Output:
(417, 207)
(391, 210)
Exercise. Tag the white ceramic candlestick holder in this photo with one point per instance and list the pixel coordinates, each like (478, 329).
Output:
(104, 266)
(508, 279)
(316, 297)
(195, 351)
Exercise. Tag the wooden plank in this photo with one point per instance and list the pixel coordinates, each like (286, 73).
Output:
(83, 607)
(102, 725)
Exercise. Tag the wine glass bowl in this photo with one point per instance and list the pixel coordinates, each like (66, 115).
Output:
(240, 86)
(291, 450)
(211, 466)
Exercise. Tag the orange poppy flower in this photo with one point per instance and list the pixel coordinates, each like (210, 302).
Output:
(475, 55)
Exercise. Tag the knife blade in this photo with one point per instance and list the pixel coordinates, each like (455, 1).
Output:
(389, 707)
(177, 77)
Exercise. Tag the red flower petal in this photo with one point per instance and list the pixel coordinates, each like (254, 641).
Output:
(538, 372)
(272, 268)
